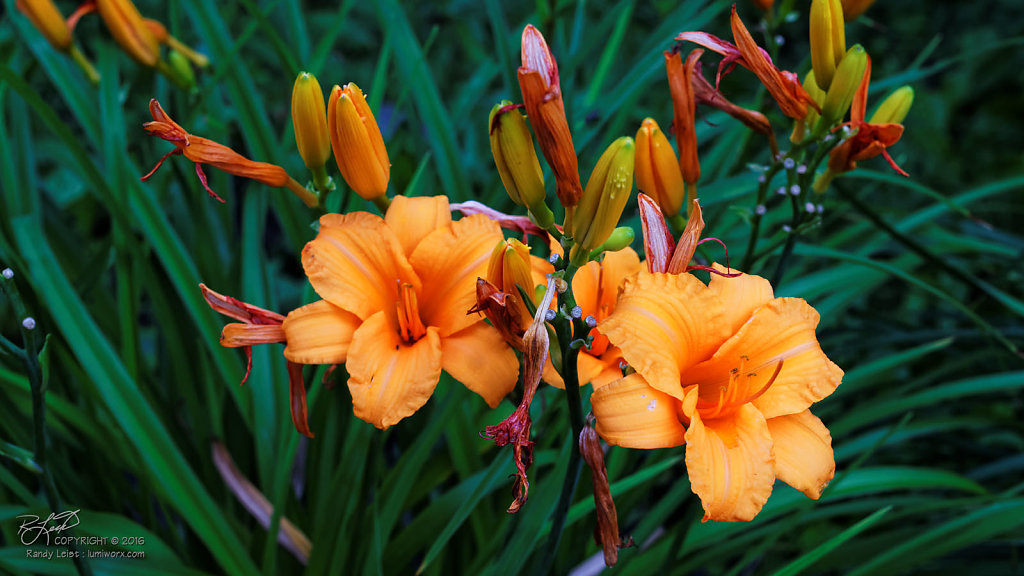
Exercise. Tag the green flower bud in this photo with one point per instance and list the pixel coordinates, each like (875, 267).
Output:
(848, 77)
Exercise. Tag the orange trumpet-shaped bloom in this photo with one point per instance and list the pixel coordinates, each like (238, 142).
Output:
(395, 294)
(784, 86)
(542, 97)
(870, 140)
(729, 370)
(204, 151)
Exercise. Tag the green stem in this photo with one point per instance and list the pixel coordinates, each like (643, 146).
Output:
(382, 203)
(30, 358)
(84, 64)
(322, 181)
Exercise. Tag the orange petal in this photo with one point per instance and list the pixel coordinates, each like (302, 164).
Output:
(596, 286)
(206, 151)
(601, 370)
(803, 452)
(319, 333)
(633, 415)
(235, 335)
(479, 358)
(412, 219)
(355, 263)
(449, 260)
(782, 330)
(551, 376)
(740, 294)
(664, 324)
(390, 379)
(729, 461)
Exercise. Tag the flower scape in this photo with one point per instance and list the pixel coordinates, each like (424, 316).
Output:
(624, 306)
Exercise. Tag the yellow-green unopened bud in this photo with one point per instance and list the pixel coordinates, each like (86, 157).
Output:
(621, 238)
(182, 68)
(605, 196)
(848, 77)
(807, 124)
(894, 109)
(309, 115)
(516, 159)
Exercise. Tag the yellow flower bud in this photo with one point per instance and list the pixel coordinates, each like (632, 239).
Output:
(847, 79)
(357, 142)
(309, 115)
(48, 20)
(130, 30)
(516, 159)
(605, 196)
(828, 39)
(807, 123)
(894, 108)
(508, 268)
(657, 170)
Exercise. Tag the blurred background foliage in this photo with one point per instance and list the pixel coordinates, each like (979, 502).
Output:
(918, 282)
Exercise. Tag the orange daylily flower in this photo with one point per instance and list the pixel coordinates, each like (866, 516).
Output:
(542, 97)
(784, 86)
(259, 326)
(204, 151)
(729, 370)
(395, 294)
(870, 139)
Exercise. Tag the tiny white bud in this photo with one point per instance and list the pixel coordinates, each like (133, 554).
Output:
(779, 40)
(828, 138)
(576, 312)
(761, 209)
(8, 273)
(29, 323)
(786, 228)
(781, 191)
(794, 189)
(789, 163)
(553, 258)
(549, 315)
(591, 321)
(801, 169)
(821, 208)
(809, 207)
(762, 178)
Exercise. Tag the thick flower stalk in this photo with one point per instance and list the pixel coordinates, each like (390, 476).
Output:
(730, 371)
(204, 151)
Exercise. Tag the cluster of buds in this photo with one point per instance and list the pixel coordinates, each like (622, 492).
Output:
(591, 214)
(139, 37)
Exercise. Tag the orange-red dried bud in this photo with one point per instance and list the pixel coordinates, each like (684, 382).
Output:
(542, 97)
(680, 82)
(509, 270)
(606, 533)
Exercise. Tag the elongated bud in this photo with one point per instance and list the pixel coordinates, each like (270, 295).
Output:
(48, 20)
(605, 196)
(808, 123)
(357, 142)
(542, 97)
(894, 109)
(680, 83)
(847, 79)
(620, 239)
(854, 8)
(657, 170)
(130, 30)
(828, 39)
(309, 115)
(509, 270)
(516, 159)
(181, 68)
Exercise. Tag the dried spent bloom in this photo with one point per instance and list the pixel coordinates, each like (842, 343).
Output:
(784, 86)
(357, 142)
(46, 17)
(395, 294)
(729, 370)
(203, 151)
(259, 326)
(680, 82)
(542, 97)
(309, 117)
(606, 533)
